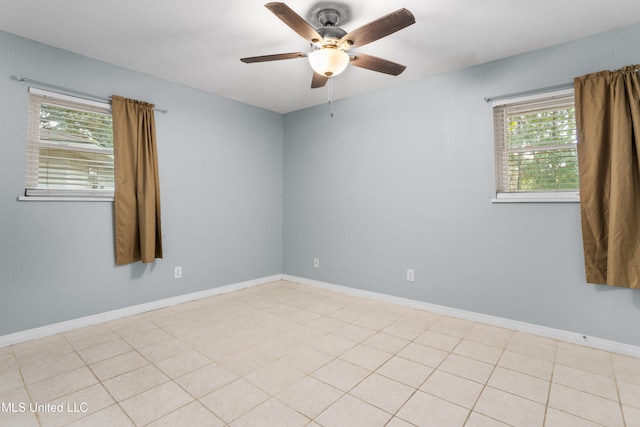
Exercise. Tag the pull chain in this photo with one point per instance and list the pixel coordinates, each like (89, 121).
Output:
(330, 94)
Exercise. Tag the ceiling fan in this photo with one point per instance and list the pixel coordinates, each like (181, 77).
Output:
(331, 44)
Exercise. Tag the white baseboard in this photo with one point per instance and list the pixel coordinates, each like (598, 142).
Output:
(56, 328)
(559, 334)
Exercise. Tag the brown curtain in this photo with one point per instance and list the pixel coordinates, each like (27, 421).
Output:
(608, 124)
(138, 234)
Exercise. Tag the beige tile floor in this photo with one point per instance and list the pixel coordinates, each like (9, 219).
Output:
(283, 354)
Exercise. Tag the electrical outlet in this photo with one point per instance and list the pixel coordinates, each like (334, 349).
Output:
(410, 275)
(177, 273)
(316, 263)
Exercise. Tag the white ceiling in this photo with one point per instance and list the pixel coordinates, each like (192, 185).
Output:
(199, 43)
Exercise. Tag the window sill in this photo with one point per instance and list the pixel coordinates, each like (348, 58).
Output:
(64, 199)
(560, 197)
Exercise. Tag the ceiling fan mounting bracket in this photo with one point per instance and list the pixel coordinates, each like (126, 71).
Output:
(329, 17)
(327, 13)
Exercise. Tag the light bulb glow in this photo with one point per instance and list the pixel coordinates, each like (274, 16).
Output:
(328, 61)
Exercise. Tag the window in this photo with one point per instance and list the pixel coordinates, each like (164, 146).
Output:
(536, 148)
(69, 147)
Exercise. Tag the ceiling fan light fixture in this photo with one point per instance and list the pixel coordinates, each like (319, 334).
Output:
(328, 61)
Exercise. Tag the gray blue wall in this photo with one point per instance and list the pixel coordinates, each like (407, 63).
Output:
(403, 178)
(221, 193)
(398, 179)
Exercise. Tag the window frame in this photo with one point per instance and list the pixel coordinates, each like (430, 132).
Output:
(31, 192)
(551, 196)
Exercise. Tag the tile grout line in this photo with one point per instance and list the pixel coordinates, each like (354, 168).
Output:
(615, 379)
(116, 403)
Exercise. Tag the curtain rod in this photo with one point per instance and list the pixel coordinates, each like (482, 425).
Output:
(73, 91)
(529, 92)
(534, 91)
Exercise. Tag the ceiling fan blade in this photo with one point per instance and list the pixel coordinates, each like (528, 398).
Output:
(276, 57)
(380, 65)
(294, 21)
(379, 28)
(318, 80)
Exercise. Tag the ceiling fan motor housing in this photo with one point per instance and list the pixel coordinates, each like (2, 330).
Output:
(331, 35)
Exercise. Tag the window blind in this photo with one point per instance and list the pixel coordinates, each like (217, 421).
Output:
(69, 146)
(536, 145)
